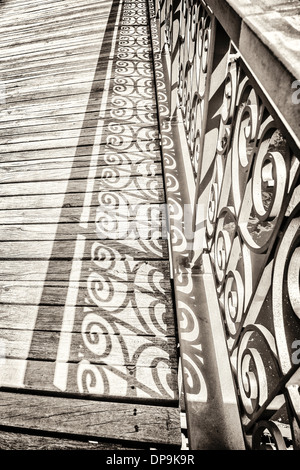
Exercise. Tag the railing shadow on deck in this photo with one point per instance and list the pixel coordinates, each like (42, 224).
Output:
(107, 287)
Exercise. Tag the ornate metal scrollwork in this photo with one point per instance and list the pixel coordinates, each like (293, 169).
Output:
(194, 51)
(251, 193)
(253, 235)
(268, 436)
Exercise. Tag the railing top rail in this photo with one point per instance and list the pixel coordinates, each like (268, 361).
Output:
(267, 34)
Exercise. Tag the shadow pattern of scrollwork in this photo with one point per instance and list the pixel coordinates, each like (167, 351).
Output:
(252, 233)
(122, 342)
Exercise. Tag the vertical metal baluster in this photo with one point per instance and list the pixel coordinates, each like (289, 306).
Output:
(216, 73)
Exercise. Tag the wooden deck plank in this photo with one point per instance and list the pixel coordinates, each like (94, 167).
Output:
(31, 31)
(71, 118)
(70, 121)
(68, 82)
(112, 249)
(115, 142)
(62, 14)
(41, 201)
(52, 42)
(140, 217)
(29, 20)
(55, 42)
(118, 155)
(138, 162)
(127, 271)
(64, 158)
(63, 138)
(56, 62)
(100, 292)
(37, 232)
(122, 382)
(54, 17)
(33, 94)
(32, 5)
(38, 171)
(92, 33)
(57, 65)
(121, 421)
(74, 113)
(51, 104)
(105, 229)
(66, 68)
(157, 320)
(142, 110)
(61, 186)
(51, 6)
(13, 40)
(71, 53)
(154, 350)
(54, 293)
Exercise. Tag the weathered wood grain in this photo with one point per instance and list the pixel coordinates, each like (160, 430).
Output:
(147, 351)
(144, 350)
(136, 101)
(71, 122)
(135, 143)
(106, 219)
(137, 384)
(55, 293)
(65, 186)
(137, 271)
(60, 18)
(107, 155)
(112, 249)
(22, 94)
(27, 19)
(57, 34)
(132, 133)
(138, 162)
(63, 58)
(88, 44)
(22, 441)
(36, 232)
(78, 200)
(156, 319)
(58, 67)
(127, 161)
(78, 169)
(120, 421)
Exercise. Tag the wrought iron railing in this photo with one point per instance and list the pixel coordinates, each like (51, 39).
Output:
(236, 98)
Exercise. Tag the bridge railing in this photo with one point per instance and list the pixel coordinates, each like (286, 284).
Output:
(232, 71)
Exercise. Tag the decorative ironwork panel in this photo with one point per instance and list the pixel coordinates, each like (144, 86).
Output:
(253, 234)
